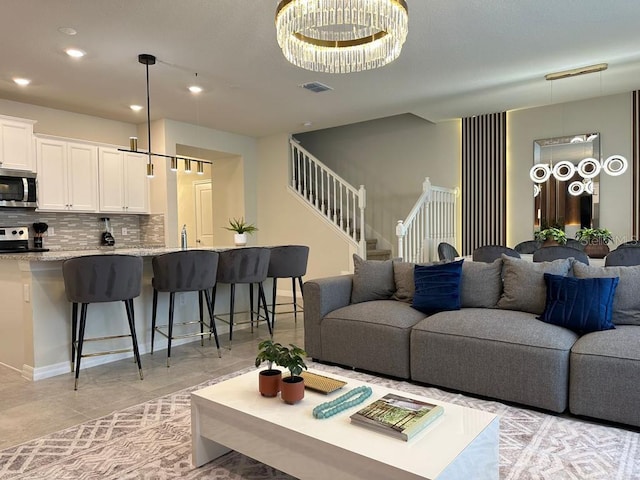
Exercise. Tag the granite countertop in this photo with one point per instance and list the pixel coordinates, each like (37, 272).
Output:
(59, 255)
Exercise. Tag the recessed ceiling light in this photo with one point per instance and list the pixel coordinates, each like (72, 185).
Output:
(67, 30)
(75, 52)
(135, 108)
(307, 124)
(23, 82)
(195, 89)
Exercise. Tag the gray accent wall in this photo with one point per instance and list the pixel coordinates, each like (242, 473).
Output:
(391, 157)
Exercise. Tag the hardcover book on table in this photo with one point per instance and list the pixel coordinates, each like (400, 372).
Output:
(397, 416)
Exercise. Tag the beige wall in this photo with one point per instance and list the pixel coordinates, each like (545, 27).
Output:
(285, 220)
(391, 157)
(177, 133)
(611, 116)
(71, 125)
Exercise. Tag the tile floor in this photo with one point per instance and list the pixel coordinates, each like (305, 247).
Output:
(31, 409)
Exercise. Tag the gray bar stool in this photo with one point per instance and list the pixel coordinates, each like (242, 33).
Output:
(243, 266)
(184, 271)
(287, 261)
(100, 279)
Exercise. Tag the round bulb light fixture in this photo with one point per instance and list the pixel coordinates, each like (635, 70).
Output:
(587, 168)
(341, 36)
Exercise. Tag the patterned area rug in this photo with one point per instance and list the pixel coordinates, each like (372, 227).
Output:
(153, 441)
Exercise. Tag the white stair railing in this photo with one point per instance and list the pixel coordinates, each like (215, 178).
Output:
(432, 220)
(339, 203)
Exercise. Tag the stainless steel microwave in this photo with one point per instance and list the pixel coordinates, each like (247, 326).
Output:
(18, 189)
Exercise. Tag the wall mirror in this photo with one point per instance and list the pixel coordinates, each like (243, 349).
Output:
(566, 182)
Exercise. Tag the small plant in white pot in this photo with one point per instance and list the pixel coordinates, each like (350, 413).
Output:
(241, 228)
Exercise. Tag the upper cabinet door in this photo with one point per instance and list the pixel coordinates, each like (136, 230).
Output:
(16, 140)
(111, 180)
(67, 175)
(136, 183)
(82, 177)
(52, 174)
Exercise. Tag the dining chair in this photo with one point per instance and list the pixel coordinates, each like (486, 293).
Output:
(489, 253)
(528, 246)
(100, 279)
(625, 256)
(446, 251)
(184, 271)
(287, 261)
(555, 252)
(249, 266)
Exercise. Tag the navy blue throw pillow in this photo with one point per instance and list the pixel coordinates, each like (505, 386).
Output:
(580, 304)
(437, 287)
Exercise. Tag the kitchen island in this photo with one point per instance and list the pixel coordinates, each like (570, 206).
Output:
(35, 324)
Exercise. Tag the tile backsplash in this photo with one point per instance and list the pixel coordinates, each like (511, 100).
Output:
(73, 231)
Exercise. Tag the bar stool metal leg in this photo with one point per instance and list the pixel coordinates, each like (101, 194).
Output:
(83, 321)
(74, 333)
(212, 325)
(154, 311)
(263, 298)
(128, 304)
(172, 298)
(273, 301)
(232, 299)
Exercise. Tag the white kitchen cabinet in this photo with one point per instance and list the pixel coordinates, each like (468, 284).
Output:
(67, 175)
(16, 143)
(124, 187)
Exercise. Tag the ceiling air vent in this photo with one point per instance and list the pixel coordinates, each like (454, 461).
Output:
(316, 87)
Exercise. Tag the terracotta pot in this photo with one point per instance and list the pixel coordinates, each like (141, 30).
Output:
(269, 382)
(596, 250)
(292, 389)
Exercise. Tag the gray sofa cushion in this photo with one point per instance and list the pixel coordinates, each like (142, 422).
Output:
(370, 335)
(502, 354)
(604, 375)
(524, 288)
(626, 302)
(405, 284)
(372, 280)
(481, 284)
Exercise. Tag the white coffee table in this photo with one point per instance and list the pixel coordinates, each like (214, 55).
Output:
(232, 415)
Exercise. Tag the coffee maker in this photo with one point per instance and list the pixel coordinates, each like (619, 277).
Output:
(107, 238)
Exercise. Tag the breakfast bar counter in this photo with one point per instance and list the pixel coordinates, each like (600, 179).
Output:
(36, 316)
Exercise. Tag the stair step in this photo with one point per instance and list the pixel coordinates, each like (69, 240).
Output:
(371, 243)
(378, 254)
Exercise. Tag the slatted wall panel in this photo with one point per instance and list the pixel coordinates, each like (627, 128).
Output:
(635, 165)
(484, 170)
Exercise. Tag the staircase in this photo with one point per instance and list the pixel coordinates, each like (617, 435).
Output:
(374, 253)
(330, 196)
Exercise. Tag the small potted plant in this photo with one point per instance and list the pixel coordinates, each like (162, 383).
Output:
(292, 388)
(269, 379)
(551, 236)
(241, 228)
(595, 241)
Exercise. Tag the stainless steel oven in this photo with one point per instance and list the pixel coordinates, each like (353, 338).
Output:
(18, 189)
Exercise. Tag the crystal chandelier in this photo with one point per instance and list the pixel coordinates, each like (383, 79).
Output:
(341, 36)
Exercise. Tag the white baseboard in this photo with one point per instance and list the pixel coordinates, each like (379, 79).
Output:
(53, 370)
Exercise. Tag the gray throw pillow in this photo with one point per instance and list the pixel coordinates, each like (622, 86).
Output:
(481, 284)
(626, 304)
(405, 284)
(523, 283)
(372, 280)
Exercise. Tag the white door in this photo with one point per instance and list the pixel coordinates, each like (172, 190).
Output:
(204, 214)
